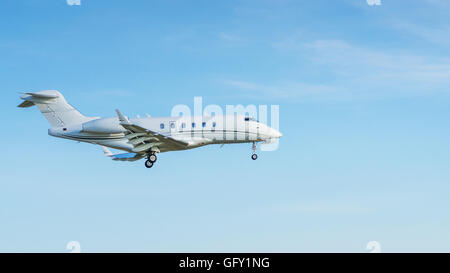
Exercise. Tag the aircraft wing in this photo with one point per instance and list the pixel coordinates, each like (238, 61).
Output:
(144, 139)
(122, 157)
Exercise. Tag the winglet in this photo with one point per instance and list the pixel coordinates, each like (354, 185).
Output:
(122, 118)
(107, 152)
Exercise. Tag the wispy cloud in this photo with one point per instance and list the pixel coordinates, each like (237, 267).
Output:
(350, 60)
(320, 208)
(352, 72)
(228, 37)
(295, 90)
(434, 34)
(438, 3)
(111, 93)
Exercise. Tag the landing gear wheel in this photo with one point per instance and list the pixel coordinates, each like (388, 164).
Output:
(152, 158)
(148, 164)
(254, 147)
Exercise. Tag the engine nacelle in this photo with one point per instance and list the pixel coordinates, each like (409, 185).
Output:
(103, 126)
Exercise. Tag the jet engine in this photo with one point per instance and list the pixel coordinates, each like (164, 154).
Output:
(103, 126)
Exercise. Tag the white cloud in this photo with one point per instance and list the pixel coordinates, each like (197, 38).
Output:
(373, 64)
(111, 93)
(435, 34)
(320, 208)
(227, 37)
(296, 90)
(438, 3)
(242, 85)
(349, 71)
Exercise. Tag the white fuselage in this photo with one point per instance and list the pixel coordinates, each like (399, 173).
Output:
(196, 131)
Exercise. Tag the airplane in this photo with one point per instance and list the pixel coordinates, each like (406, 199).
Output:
(146, 137)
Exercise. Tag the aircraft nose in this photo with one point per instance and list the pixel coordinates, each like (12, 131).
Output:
(275, 133)
(278, 134)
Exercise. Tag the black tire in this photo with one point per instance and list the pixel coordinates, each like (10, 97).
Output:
(254, 156)
(148, 164)
(152, 158)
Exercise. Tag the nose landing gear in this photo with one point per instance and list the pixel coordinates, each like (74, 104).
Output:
(254, 155)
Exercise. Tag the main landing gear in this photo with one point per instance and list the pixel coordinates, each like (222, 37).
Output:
(254, 155)
(148, 164)
(151, 159)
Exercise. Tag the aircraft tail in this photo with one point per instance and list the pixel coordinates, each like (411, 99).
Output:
(54, 107)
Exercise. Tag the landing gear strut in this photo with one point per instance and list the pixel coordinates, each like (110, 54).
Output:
(254, 155)
(151, 159)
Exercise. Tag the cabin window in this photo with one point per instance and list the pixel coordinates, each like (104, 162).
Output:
(183, 125)
(161, 126)
(247, 118)
(172, 125)
(193, 124)
(203, 124)
(214, 124)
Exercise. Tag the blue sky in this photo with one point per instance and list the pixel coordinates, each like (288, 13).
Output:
(364, 105)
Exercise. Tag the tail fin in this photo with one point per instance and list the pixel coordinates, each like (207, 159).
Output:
(54, 108)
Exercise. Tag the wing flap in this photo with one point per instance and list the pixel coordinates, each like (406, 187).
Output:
(144, 139)
(145, 147)
(134, 135)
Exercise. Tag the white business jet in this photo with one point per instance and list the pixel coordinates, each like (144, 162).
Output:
(145, 137)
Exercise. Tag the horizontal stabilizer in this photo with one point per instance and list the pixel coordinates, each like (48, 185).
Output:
(42, 95)
(25, 104)
(31, 99)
